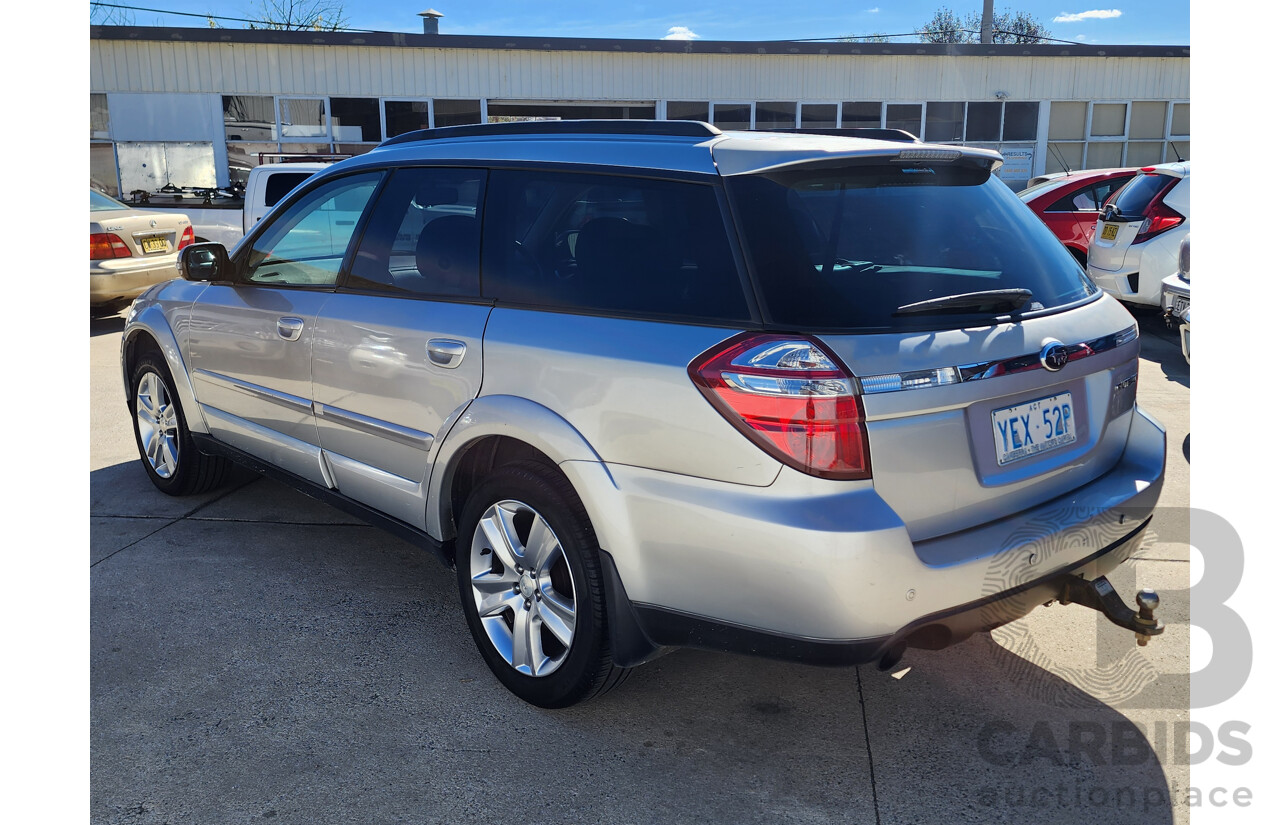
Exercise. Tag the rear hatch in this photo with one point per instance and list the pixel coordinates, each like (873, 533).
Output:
(991, 373)
(1136, 213)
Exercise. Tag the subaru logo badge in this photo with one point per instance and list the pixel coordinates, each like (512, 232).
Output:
(1053, 355)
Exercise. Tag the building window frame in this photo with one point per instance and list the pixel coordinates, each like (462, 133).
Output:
(1090, 138)
(884, 114)
(382, 111)
(328, 120)
(750, 104)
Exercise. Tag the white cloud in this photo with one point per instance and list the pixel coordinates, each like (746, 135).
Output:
(1095, 14)
(681, 33)
(876, 10)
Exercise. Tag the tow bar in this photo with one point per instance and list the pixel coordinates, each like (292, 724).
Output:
(1102, 597)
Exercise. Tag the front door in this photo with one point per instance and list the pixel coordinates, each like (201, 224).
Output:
(251, 341)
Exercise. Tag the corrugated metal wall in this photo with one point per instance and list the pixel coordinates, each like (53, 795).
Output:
(129, 66)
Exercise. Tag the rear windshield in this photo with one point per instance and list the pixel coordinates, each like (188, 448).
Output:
(99, 202)
(281, 184)
(1132, 201)
(848, 248)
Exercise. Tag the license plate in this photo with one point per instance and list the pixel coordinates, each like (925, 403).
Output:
(1180, 304)
(1033, 428)
(156, 244)
(1109, 231)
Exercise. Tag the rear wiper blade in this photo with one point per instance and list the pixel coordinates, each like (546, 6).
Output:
(991, 300)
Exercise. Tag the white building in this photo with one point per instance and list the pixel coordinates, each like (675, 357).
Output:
(198, 107)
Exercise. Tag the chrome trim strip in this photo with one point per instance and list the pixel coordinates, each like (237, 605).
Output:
(376, 427)
(284, 399)
(382, 477)
(891, 382)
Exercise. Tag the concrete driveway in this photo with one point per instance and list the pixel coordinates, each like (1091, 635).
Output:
(257, 656)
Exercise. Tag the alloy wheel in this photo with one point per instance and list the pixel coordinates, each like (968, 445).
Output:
(157, 419)
(523, 587)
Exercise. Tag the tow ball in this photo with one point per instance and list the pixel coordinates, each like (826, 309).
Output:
(1101, 596)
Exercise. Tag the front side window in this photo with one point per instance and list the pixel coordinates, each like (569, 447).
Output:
(423, 235)
(305, 245)
(852, 248)
(599, 243)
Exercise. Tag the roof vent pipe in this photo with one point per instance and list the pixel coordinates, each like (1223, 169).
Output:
(430, 21)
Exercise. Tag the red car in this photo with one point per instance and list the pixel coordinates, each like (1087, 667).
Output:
(1069, 203)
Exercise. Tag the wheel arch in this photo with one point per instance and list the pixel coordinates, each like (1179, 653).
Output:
(148, 330)
(492, 431)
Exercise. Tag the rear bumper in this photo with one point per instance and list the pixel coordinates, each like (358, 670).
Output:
(643, 631)
(1125, 285)
(835, 578)
(120, 278)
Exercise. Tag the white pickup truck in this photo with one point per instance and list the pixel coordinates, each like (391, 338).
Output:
(218, 215)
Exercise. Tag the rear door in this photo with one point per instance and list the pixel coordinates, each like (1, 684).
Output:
(398, 350)
(251, 341)
(984, 402)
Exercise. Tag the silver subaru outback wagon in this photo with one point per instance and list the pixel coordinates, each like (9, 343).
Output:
(647, 385)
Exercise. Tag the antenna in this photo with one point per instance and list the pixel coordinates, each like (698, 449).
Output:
(1063, 160)
(1175, 152)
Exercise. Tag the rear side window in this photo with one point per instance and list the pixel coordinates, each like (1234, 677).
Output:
(280, 184)
(1090, 198)
(1132, 201)
(850, 248)
(424, 235)
(1078, 201)
(1107, 188)
(610, 244)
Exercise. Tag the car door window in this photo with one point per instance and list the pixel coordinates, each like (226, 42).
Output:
(1078, 200)
(1106, 189)
(610, 244)
(305, 245)
(423, 235)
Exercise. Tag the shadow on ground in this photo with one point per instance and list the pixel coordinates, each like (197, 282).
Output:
(255, 654)
(1160, 343)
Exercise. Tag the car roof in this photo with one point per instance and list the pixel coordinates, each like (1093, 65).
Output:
(1065, 180)
(681, 146)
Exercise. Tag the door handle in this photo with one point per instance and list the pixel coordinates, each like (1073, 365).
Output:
(445, 352)
(289, 328)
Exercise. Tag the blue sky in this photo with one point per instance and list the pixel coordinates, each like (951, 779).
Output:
(1110, 21)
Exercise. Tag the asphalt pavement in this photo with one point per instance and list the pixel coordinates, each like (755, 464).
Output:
(257, 656)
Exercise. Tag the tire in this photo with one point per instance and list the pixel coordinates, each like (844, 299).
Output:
(528, 559)
(168, 453)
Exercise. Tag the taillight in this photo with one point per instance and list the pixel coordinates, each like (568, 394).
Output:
(791, 397)
(103, 245)
(188, 237)
(1159, 218)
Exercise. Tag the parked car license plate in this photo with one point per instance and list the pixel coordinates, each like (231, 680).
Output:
(1109, 231)
(1030, 429)
(1180, 303)
(156, 244)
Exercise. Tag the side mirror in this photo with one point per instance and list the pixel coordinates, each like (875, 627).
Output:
(204, 262)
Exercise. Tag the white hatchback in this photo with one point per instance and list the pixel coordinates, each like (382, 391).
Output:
(1135, 242)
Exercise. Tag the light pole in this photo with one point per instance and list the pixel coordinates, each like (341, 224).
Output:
(988, 12)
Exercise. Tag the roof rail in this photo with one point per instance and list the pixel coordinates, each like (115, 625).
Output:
(871, 133)
(669, 128)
